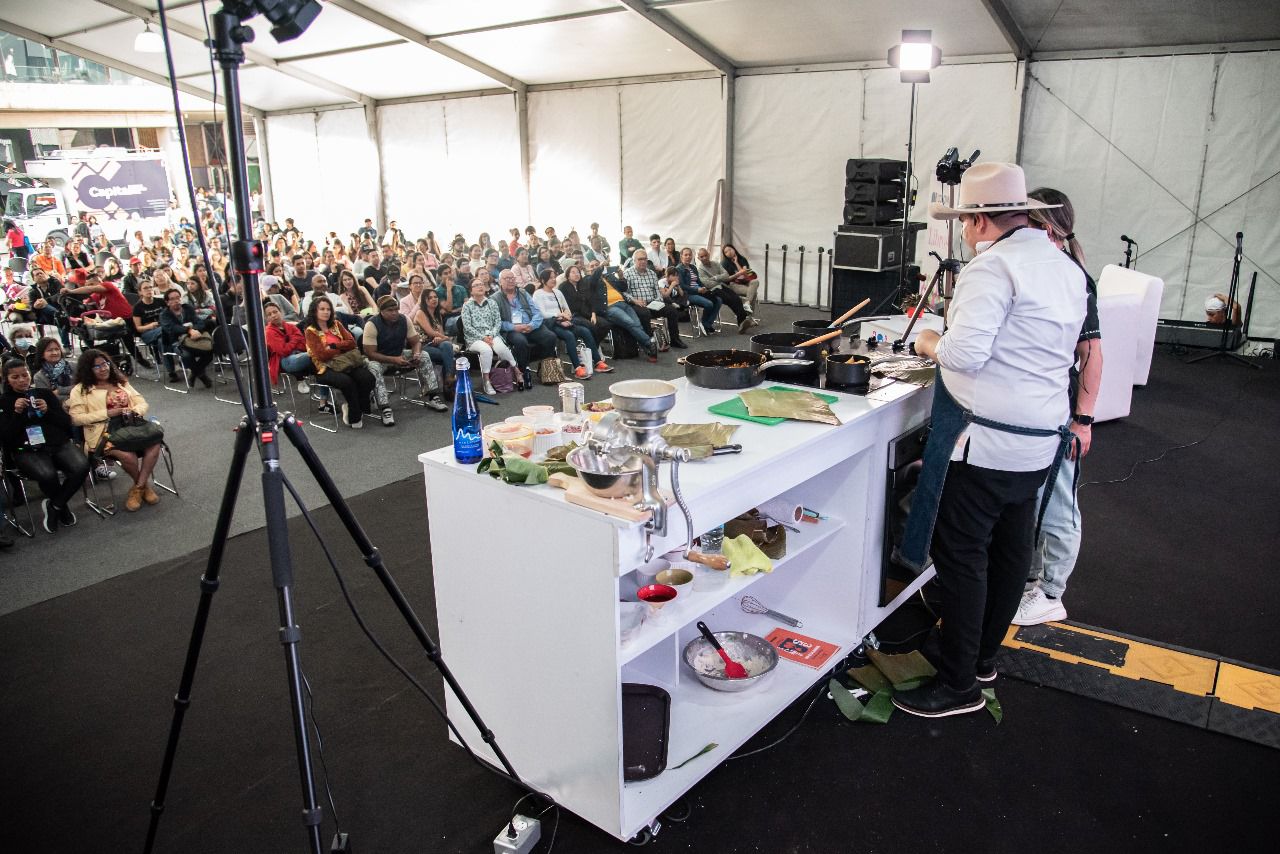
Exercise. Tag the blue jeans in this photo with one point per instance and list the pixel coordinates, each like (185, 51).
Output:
(152, 337)
(570, 335)
(1055, 555)
(443, 356)
(623, 315)
(710, 309)
(300, 364)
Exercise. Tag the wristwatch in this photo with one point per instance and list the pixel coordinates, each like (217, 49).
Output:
(1082, 420)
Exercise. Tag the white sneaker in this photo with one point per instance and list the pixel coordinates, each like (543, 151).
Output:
(1036, 608)
(488, 388)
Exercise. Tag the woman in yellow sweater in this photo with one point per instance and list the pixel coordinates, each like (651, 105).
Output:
(100, 393)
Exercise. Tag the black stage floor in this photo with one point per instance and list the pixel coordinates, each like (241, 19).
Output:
(1181, 553)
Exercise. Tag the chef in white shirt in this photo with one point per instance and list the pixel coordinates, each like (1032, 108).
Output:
(999, 428)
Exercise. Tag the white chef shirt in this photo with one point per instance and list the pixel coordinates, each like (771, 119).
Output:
(1017, 313)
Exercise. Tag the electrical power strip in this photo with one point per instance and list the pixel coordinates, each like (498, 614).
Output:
(528, 833)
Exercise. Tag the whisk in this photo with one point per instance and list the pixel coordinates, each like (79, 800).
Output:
(752, 605)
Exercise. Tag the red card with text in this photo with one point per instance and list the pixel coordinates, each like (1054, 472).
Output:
(808, 651)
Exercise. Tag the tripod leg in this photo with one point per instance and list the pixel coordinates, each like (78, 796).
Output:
(373, 559)
(208, 586)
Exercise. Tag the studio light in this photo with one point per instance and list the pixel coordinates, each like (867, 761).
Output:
(148, 41)
(915, 56)
(289, 18)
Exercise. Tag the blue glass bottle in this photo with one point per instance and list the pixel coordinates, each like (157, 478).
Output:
(468, 443)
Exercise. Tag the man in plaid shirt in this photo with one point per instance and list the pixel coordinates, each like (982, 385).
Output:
(650, 298)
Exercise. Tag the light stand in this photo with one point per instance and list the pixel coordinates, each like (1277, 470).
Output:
(1224, 349)
(290, 17)
(907, 195)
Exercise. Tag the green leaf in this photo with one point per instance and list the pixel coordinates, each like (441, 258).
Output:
(909, 684)
(848, 704)
(993, 705)
(869, 677)
(710, 747)
(518, 470)
(879, 708)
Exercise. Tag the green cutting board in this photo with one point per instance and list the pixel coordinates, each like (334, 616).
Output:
(734, 407)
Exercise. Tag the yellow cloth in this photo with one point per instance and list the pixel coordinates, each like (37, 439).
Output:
(88, 409)
(611, 294)
(745, 557)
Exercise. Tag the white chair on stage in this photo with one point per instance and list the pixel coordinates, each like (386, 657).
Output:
(1128, 308)
(1150, 291)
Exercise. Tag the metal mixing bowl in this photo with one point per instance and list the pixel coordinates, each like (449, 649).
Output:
(740, 646)
(605, 479)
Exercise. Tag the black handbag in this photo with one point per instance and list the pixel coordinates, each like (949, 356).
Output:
(133, 433)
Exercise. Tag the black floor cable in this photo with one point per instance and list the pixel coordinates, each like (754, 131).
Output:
(822, 688)
(324, 768)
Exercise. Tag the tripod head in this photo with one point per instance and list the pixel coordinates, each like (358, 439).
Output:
(951, 168)
(289, 18)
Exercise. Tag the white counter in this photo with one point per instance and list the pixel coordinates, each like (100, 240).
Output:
(527, 585)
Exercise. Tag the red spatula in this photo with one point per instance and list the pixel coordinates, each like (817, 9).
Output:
(732, 669)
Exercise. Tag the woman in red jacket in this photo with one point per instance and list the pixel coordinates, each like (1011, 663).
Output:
(286, 347)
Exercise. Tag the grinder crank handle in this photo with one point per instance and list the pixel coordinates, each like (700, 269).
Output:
(719, 562)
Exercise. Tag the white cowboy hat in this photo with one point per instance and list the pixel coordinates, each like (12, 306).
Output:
(989, 188)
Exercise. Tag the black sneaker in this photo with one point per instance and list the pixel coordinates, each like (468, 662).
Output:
(935, 699)
(66, 518)
(528, 378)
(173, 376)
(204, 380)
(50, 516)
(679, 344)
(986, 671)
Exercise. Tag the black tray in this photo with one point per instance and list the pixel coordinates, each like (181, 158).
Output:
(646, 729)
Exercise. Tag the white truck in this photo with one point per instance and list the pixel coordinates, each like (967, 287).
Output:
(125, 191)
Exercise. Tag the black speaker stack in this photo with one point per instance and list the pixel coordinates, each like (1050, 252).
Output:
(873, 191)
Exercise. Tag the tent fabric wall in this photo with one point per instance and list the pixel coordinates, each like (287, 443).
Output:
(1147, 147)
(794, 133)
(575, 161)
(673, 151)
(323, 170)
(452, 166)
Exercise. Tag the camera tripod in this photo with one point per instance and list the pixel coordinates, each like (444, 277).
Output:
(264, 424)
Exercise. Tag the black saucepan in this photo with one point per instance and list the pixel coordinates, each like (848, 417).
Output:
(782, 345)
(814, 328)
(730, 369)
(848, 369)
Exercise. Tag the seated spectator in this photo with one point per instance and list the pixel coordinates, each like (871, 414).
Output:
(649, 298)
(286, 347)
(189, 336)
(52, 370)
(106, 297)
(146, 318)
(670, 254)
(522, 326)
(482, 331)
(580, 293)
(741, 278)
(35, 431)
(74, 256)
(22, 345)
(343, 312)
(558, 317)
(101, 392)
(607, 298)
(393, 344)
(526, 277)
(338, 362)
(598, 243)
(428, 316)
(129, 282)
(111, 271)
(355, 295)
(693, 277)
(547, 261)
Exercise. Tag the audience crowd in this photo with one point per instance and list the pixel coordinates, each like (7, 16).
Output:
(343, 314)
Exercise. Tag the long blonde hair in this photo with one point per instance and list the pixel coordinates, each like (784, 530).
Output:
(1059, 222)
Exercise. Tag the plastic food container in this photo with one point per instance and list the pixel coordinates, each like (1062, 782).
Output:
(538, 411)
(546, 435)
(515, 438)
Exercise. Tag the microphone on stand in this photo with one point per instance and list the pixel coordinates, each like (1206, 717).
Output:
(1128, 240)
(1239, 243)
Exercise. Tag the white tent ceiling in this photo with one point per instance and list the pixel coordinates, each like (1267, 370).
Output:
(368, 51)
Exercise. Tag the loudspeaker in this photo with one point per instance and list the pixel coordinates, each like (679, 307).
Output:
(871, 247)
(883, 214)
(872, 192)
(850, 287)
(874, 169)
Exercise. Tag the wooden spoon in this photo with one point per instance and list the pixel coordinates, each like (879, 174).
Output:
(850, 313)
(833, 334)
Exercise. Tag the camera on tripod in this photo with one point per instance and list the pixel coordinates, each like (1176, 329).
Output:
(951, 168)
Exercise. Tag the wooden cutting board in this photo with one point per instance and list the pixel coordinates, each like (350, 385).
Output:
(576, 492)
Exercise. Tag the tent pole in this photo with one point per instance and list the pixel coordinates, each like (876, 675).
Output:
(726, 199)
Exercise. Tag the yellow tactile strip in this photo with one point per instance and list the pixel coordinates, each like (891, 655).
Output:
(1248, 689)
(1191, 674)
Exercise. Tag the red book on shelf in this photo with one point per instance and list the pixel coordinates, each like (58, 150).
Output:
(808, 651)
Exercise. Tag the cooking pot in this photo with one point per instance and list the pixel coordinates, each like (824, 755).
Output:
(848, 369)
(782, 345)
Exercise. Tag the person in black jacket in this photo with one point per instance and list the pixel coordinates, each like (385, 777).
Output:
(179, 321)
(36, 433)
(606, 303)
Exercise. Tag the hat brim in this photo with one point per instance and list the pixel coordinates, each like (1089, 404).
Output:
(937, 210)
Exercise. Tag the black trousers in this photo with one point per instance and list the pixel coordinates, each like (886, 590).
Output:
(356, 384)
(526, 346)
(981, 549)
(670, 312)
(734, 302)
(43, 467)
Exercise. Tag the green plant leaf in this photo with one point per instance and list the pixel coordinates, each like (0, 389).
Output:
(869, 677)
(710, 747)
(849, 705)
(993, 705)
(879, 708)
(909, 684)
